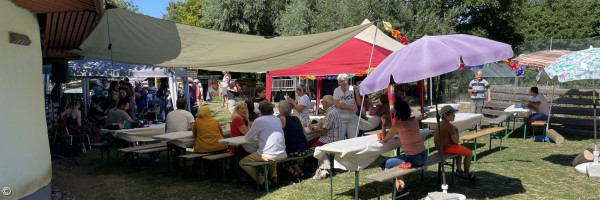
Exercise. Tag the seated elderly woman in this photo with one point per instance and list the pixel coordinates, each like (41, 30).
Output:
(295, 140)
(207, 131)
(267, 130)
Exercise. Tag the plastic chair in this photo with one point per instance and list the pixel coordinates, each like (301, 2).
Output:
(83, 136)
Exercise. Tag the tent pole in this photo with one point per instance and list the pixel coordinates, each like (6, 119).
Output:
(550, 112)
(362, 102)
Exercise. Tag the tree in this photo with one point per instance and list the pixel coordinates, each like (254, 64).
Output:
(186, 12)
(125, 4)
(254, 17)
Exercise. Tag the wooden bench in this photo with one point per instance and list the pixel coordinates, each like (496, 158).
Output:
(212, 157)
(142, 147)
(265, 166)
(395, 172)
(483, 132)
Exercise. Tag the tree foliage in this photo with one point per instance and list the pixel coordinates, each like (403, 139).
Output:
(254, 17)
(125, 4)
(186, 12)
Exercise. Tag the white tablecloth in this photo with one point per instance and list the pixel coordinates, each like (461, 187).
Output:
(358, 153)
(365, 125)
(523, 112)
(462, 121)
(183, 139)
(430, 110)
(138, 134)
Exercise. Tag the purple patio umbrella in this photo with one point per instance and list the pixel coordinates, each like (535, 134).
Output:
(431, 56)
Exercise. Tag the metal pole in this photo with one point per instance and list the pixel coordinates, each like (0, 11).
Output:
(362, 102)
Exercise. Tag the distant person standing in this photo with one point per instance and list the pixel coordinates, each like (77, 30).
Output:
(477, 88)
(231, 91)
(192, 87)
(223, 88)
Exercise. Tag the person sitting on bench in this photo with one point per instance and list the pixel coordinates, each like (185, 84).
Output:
(268, 131)
(539, 104)
(407, 129)
(450, 143)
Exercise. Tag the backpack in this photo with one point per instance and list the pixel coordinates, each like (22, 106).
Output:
(238, 89)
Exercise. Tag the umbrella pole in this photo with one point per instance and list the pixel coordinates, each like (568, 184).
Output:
(437, 118)
(550, 112)
(362, 101)
(596, 153)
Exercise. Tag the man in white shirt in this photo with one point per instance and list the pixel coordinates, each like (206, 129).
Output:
(179, 120)
(539, 104)
(267, 129)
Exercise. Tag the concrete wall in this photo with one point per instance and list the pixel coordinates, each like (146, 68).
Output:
(25, 164)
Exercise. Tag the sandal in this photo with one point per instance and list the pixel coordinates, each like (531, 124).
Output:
(469, 176)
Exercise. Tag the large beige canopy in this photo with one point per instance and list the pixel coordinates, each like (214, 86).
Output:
(140, 39)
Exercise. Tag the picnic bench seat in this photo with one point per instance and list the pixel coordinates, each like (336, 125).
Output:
(212, 157)
(488, 131)
(538, 124)
(265, 166)
(395, 172)
(141, 147)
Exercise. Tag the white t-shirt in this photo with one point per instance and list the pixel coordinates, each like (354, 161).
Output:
(304, 100)
(271, 141)
(179, 120)
(543, 108)
(345, 98)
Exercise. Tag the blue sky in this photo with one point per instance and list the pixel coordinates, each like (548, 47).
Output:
(154, 8)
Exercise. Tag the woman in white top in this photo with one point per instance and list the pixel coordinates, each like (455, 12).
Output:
(343, 99)
(223, 88)
(302, 106)
(267, 129)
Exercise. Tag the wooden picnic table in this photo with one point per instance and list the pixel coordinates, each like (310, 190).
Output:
(518, 113)
(138, 134)
(357, 153)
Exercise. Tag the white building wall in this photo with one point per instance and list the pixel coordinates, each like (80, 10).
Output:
(25, 164)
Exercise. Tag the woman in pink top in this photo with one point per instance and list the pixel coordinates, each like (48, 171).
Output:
(407, 128)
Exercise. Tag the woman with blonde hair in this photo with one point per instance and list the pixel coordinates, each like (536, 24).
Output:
(240, 124)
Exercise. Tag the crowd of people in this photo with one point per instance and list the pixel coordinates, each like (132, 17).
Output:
(276, 137)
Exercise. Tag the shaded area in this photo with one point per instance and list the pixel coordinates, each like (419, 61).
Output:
(560, 159)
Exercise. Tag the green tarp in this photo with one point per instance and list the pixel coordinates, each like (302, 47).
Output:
(139, 39)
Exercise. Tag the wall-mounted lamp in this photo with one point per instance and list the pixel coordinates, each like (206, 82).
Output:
(19, 39)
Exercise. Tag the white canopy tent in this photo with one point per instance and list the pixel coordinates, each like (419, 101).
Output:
(92, 67)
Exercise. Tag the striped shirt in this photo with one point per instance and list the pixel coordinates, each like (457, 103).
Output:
(333, 123)
(481, 88)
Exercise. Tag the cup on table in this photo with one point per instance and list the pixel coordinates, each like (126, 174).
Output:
(379, 136)
(149, 122)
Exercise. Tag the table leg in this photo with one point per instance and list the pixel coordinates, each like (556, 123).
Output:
(356, 185)
(331, 158)
(525, 129)
(475, 152)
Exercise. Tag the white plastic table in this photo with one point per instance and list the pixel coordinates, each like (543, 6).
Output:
(462, 121)
(518, 113)
(138, 134)
(357, 153)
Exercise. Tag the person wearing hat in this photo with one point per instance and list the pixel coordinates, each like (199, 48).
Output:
(449, 142)
(207, 132)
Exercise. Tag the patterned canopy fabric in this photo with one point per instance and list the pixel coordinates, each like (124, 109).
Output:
(580, 65)
(540, 58)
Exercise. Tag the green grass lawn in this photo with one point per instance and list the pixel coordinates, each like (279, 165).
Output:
(522, 170)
